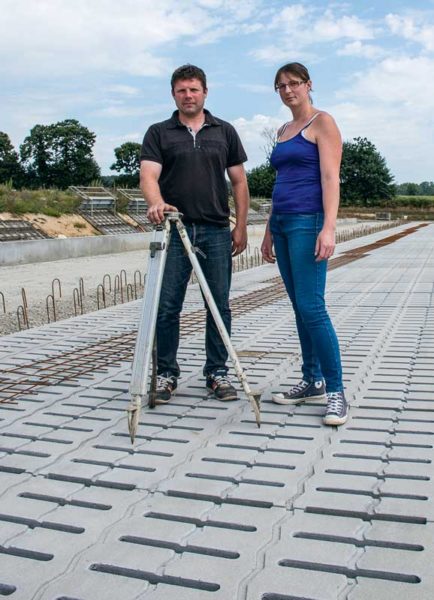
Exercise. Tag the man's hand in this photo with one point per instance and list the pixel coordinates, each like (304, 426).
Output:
(325, 244)
(267, 247)
(156, 212)
(239, 240)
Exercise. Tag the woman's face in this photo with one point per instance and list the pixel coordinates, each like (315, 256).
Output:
(292, 89)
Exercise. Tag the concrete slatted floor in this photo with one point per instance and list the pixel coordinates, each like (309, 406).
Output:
(208, 506)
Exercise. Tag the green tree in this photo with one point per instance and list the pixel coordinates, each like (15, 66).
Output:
(127, 164)
(261, 181)
(60, 155)
(10, 166)
(365, 177)
(401, 189)
(412, 189)
(408, 189)
(426, 188)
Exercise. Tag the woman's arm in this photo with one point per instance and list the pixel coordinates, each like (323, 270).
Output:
(329, 142)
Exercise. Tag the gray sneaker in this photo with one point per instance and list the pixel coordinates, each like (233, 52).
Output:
(337, 409)
(219, 384)
(315, 390)
(166, 385)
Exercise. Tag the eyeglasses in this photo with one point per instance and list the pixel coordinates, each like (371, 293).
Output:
(293, 85)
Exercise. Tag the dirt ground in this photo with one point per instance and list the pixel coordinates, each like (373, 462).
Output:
(63, 226)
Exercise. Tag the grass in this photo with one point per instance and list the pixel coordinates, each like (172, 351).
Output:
(54, 203)
(413, 201)
(50, 202)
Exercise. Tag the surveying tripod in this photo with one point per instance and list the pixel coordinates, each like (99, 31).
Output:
(145, 350)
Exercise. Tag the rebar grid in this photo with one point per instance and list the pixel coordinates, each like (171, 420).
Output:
(68, 366)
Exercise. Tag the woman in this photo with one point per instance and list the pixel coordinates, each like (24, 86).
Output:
(301, 227)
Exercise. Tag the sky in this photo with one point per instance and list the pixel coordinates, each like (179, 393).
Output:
(108, 64)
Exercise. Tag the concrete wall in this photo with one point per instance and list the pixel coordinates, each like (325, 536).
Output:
(34, 251)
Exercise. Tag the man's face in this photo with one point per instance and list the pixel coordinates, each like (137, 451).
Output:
(189, 96)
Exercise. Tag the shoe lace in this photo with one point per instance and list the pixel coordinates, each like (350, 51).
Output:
(222, 380)
(163, 383)
(299, 387)
(335, 402)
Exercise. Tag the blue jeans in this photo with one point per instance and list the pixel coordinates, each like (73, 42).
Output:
(294, 237)
(216, 263)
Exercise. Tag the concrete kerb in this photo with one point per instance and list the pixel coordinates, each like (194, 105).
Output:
(35, 251)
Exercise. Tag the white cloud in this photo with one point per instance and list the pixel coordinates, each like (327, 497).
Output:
(123, 90)
(409, 29)
(60, 37)
(301, 30)
(251, 134)
(289, 19)
(121, 110)
(391, 104)
(256, 88)
(398, 135)
(357, 48)
(286, 52)
(329, 28)
(402, 81)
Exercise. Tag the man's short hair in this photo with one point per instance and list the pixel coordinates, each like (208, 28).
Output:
(188, 72)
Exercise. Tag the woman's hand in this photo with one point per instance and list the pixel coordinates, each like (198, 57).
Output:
(267, 247)
(325, 244)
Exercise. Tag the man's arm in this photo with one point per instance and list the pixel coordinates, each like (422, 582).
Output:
(240, 190)
(150, 172)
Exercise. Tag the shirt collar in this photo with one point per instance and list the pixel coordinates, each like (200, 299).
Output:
(174, 121)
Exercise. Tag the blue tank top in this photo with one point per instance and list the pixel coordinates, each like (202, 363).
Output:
(297, 188)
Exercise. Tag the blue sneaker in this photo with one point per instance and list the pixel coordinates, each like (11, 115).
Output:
(337, 409)
(314, 390)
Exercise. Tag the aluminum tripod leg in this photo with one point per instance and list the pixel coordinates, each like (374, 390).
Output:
(254, 398)
(146, 332)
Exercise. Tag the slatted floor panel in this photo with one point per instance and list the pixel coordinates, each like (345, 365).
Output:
(206, 505)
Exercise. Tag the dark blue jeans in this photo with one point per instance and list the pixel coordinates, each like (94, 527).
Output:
(294, 237)
(216, 263)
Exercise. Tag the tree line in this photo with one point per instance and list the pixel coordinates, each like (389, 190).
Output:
(61, 154)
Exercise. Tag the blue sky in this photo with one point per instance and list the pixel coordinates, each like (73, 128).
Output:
(108, 64)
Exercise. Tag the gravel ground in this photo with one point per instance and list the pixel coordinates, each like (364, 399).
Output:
(80, 278)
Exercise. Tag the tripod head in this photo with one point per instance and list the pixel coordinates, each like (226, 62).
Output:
(172, 215)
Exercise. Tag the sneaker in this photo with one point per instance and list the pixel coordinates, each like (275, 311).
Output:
(166, 385)
(220, 385)
(337, 409)
(315, 390)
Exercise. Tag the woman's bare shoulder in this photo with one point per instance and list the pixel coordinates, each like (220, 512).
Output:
(324, 117)
(324, 122)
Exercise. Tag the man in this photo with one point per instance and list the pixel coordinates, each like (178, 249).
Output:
(183, 165)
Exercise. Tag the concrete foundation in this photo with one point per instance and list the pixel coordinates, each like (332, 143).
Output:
(35, 251)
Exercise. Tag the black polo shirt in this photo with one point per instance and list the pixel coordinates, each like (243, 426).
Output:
(193, 174)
